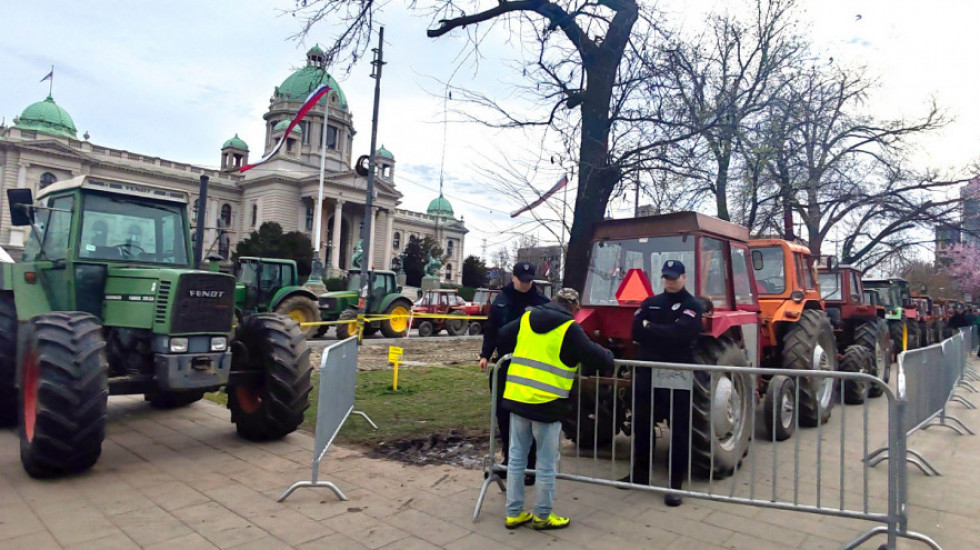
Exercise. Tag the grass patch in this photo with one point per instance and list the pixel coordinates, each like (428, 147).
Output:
(429, 400)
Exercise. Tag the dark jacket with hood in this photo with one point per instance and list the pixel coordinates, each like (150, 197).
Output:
(509, 305)
(575, 348)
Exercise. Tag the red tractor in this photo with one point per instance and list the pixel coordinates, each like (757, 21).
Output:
(442, 302)
(624, 255)
(482, 298)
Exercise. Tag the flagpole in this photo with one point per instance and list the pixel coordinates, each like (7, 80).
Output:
(561, 245)
(51, 82)
(315, 282)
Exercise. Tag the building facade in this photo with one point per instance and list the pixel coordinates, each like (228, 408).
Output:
(42, 147)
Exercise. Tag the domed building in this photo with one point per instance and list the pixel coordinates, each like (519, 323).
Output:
(42, 147)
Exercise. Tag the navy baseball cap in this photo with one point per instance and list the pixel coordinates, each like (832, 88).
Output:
(524, 271)
(672, 269)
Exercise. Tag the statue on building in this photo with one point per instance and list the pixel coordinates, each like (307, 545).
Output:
(358, 255)
(432, 267)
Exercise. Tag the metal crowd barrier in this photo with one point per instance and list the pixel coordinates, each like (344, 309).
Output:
(927, 381)
(821, 470)
(338, 380)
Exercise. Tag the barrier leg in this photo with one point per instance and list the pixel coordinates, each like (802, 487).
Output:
(963, 401)
(313, 483)
(366, 417)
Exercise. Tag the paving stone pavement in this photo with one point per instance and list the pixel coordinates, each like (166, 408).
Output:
(182, 479)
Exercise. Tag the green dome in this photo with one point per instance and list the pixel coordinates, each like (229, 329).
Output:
(236, 143)
(283, 124)
(384, 153)
(440, 207)
(46, 116)
(299, 84)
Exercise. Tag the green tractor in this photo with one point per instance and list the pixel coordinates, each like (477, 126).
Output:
(270, 284)
(895, 295)
(385, 298)
(105, 302)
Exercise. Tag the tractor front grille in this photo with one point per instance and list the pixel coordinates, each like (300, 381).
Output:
(204, 303)
(163, 296)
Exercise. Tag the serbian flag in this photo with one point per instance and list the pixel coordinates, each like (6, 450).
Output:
(308, 105)
(561, 183)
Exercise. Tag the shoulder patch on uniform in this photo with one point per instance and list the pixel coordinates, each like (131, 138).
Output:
(676, 306)
(690, 312)
(654, 307)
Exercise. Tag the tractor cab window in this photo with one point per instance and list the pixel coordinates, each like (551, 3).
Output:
(744, 293)
(855, 283)
(830, 287)
(612, 260)
(270, 278)
(249, 274)
(49, 236)
(380, 286)
(122, 229)
(714, 272)
(770, 275)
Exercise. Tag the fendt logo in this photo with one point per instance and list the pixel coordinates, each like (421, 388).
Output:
(206, 293)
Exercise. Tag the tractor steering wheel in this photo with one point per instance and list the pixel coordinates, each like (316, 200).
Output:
(126, 249)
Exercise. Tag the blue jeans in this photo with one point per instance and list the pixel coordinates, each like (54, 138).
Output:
(522, 433)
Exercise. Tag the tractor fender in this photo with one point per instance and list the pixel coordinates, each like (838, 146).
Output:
(390, 298)
(288, 291)
(30, 298)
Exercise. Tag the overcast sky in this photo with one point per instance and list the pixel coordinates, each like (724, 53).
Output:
(176, 79)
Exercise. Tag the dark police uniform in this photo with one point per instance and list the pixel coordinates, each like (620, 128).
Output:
(674, 322)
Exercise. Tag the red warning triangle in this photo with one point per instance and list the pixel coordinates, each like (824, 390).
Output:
(634, 289)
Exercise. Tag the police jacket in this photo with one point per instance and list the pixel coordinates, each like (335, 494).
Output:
(508, 306)
(674, 322)
(576, 348)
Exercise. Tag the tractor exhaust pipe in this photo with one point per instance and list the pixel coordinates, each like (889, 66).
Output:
(202, 202)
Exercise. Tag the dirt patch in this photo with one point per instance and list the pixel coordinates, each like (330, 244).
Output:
(455, 448)
(428, 351)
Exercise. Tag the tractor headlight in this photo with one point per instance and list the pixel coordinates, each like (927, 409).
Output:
(178, 345)
(219, 343)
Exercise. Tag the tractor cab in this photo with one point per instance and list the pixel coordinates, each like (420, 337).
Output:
(843, 296)
(272, 284)
(900, 312)
(784, 272)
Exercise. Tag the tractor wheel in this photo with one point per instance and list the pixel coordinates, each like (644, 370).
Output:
(779, 408)
(810, 345)
(426, 328)
(873, 335)
(64, 394)
(8, 360)
(457, 327)
(370, 329)
(347, 330)
(302, 310)
(596, 428)
(856, 358)
(723, 405)
(397, 326)
(475, 328)
(895, 331)
(274, 405)
(164, 400)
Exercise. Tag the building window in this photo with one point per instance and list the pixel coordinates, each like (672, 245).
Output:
(255, 214)
(449, 272)
(332, 132)
(449, 247)
(396, 240)
(305, 127)
(47, 179)
(309, 218)
(195, 211)
(226, 214)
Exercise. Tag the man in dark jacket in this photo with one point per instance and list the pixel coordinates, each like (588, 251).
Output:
(515, 298)
(548, 347)
(666, 327)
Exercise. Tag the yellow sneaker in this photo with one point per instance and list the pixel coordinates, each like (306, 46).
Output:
(521, 519)
(551, 522)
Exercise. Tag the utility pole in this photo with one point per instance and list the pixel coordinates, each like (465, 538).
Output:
(362, 302)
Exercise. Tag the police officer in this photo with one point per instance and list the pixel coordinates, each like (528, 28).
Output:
(666, 327)
(513, 300)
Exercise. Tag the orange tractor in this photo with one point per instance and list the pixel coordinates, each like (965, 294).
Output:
(796, 335)
(624, 270)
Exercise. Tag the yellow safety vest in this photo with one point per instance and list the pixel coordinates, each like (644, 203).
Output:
(536, 374)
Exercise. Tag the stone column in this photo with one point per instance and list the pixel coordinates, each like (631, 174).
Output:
(389, 235)
(335, 243)
(22, 175)
(370, 245)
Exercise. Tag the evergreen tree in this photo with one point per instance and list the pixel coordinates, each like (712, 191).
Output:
(474, 272)
(270, 242)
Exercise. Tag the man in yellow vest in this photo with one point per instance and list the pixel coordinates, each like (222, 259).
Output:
(548, 347)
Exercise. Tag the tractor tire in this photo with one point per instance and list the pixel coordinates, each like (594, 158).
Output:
(370, 329)
(475, 328)
(810, 345)
(856, 358)
(274, 406)
(895, 331)
(426, 328)
(779, 408)
(347, 330)
(457, 327)
(64, 394)
(719, 443)
(396, 327)
(873, 335)
(302, 310)
(8, 360)
(596, 429)
(166, 400)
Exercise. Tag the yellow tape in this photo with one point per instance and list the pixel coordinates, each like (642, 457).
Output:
(372, 318)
